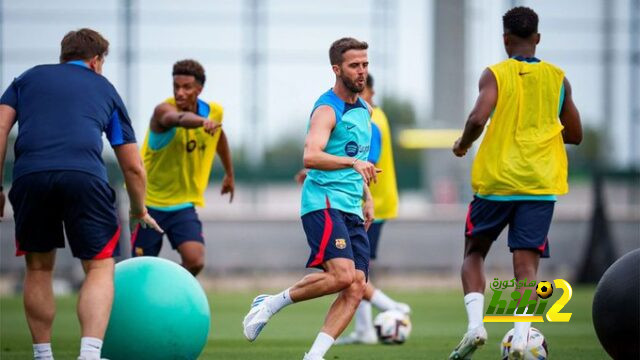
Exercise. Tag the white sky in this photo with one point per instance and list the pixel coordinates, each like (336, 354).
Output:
(296, 42)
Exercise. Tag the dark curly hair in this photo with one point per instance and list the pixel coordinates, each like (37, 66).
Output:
(520, 21)
(189, 67)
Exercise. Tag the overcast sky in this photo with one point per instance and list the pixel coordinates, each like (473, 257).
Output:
(295, 38)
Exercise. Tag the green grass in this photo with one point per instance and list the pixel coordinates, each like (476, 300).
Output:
(439, 320)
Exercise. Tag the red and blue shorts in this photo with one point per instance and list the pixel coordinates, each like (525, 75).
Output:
(180, 226)
(528, 221)
(332, 234)
(45, 203)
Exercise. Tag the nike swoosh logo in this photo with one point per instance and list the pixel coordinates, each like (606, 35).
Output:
(470, 301)
(523, 73)
(350, 127)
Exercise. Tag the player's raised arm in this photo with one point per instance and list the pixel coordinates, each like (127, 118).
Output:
(322, 123)
(478, 117)
(570, 118)
(7, 119)
(166, 116)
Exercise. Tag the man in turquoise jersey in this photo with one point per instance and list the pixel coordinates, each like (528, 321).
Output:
(334, 220)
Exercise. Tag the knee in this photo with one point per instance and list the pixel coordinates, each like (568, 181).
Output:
(193, 264)
(344, 278)
(356, 290)
(40, 262)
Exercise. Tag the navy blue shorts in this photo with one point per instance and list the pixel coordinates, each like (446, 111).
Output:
(334, 234)
(84, 205)
(374, 237)
(180, 226)
(528, 221)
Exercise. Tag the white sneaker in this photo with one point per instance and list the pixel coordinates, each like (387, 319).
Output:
(257, 317)
(311, 357)
(516, 351)
(471, 341)
(403, 308)
(368, 338)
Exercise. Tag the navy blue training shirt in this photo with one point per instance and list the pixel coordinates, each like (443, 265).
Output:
(62, 111)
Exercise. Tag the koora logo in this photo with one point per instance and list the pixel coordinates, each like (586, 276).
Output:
(520, 303)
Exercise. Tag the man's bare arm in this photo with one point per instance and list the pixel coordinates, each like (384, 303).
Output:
(7, 119)
(480, 113)
(570, 117)
(323, 121)
(166, 116)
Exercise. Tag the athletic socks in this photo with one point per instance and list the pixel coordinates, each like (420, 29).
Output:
(521, 329)
(278, 301)
(42, 351)
(474, 303)
(90, 348)
(363, 318)
(381, 301)
(321, 345)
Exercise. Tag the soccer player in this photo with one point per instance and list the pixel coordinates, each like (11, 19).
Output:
(385, 203)
(59, 179)
(519, 170)
(184, 136)
(334, 220)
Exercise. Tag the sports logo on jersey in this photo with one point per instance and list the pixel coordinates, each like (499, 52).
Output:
(351, 148)
(139, 251)
(341, 243)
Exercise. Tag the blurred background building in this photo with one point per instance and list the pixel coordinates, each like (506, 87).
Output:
(267, 61)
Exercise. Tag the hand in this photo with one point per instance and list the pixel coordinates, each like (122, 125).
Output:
(458, 150)
(367, 170)
(1, 204)
(144, 221)
(367, 211)
(210, 127)
(300, 176)
(228, 187)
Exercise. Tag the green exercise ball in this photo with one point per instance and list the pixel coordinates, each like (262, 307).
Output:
(159, 312)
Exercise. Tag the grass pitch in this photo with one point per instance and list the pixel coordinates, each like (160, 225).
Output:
(439, 321)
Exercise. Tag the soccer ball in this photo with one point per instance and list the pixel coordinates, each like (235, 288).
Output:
(536, 346)
(544, 289)
(392, 327)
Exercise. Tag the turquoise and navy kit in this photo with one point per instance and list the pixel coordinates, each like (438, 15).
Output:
(59, 177)
(332, 199)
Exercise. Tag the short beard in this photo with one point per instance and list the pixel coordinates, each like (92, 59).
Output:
(351, 85)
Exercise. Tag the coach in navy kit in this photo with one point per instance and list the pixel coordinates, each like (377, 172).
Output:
(60, 180)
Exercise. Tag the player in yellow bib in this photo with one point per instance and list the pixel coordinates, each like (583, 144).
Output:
(385, 204)
(178, 152)
(519, 170)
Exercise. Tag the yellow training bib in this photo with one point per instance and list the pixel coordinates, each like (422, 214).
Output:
(385, 191)
(178, 172)
(522, 151)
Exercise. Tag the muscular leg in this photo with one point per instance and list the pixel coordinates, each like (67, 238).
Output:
(96, 297)
(472, 272)
(344, 306)
(340, 274)
(192, 254)
(525, 266)
(39, 304)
